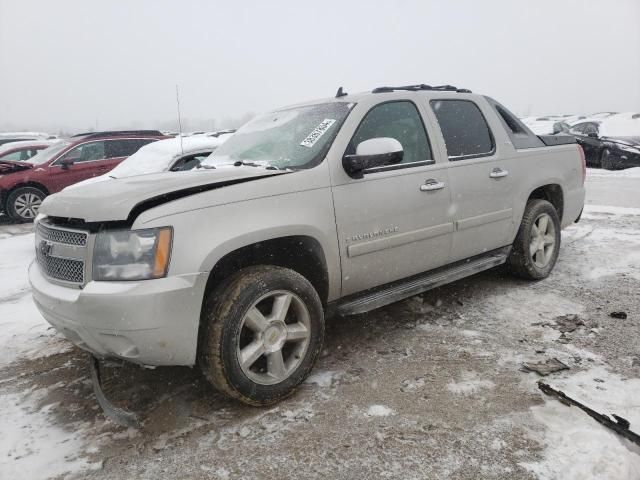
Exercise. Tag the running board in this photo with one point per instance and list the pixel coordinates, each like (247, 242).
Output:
(396, 291)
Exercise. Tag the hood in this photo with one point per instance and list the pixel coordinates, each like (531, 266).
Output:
(124, 199)
(631, 141)
(9, 166)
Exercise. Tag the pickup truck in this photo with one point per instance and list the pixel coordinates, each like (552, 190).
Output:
(332, 207)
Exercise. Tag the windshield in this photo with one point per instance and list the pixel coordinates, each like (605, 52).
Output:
(47, 154)
(294, 138)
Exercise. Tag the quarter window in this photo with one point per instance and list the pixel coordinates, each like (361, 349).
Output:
(399, 120)
(125, 148)
(465, 131)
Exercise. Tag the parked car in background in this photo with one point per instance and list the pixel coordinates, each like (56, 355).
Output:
(587, 133)
(25, 184)
(621, 141)
(23, 150)
(547, 126)
(172, 154)
(8, 137)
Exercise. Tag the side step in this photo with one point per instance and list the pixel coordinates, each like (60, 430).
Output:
(396, 291)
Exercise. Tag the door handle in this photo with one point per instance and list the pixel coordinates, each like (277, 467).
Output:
(431, 185)
(498, 173)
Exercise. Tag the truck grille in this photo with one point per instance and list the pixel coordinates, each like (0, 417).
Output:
(61, 253)
(62, 236)
(63, 269)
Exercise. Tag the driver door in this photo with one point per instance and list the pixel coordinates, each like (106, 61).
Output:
(395, 221)
(88, 161)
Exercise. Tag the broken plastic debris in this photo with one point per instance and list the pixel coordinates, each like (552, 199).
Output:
(545, 368)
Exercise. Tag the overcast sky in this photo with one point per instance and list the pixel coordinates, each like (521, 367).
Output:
(76, 64)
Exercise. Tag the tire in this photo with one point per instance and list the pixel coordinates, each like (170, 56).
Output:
(534, 256)
(23, 203)
(241, 318)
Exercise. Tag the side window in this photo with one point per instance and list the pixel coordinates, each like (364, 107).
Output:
(125, 148)
(590, 128)
(86, 152)
(189, 162)
(14, 156)
(465, 131)
(578, 129)
(399, 120)
(510, 121)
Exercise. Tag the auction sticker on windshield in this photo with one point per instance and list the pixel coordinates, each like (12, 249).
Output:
(320, 130)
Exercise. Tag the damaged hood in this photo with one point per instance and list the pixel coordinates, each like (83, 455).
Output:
(9, 166)
(124, 198)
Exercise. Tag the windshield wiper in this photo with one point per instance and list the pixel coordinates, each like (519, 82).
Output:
(240, 163)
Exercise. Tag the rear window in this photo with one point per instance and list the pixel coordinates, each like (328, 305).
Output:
(465, 131)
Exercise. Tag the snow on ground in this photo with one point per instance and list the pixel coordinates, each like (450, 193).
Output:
(389, 400)
(379, 411)
(470, 384)
(627, 173)
(24, 332)
(31, 447)
(576, 446)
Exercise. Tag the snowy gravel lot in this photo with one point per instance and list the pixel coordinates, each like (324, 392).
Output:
(430, 387)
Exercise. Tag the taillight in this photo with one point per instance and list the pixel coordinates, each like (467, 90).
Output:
(584, 163)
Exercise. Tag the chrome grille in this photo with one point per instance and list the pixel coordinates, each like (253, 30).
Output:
(62, 253)
(62, 236)
(64, 269)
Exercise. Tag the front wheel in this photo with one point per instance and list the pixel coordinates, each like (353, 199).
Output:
(262, 333)
(537, 244)
(23, 203)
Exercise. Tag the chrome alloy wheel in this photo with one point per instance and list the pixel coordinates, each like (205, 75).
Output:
(27, 205)
(543, 240)
(274, 337)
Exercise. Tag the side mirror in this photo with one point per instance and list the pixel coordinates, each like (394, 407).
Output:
(557, 128)
(375, 152)
(65, 163)
(592, 135)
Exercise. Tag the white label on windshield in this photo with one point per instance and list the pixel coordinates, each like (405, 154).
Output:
(320, 130)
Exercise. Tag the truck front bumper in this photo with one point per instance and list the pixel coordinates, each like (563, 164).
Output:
(151, 322)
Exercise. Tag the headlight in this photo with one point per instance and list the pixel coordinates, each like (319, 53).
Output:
(132, 254)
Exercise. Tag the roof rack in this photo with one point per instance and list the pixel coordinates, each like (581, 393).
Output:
(117, 133)
(422, 86)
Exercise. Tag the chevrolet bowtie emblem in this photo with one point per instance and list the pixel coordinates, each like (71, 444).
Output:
(45, 247)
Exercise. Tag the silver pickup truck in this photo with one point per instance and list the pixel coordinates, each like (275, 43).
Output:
(336, 206)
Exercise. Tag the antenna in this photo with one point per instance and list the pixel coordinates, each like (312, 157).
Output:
(179, 119)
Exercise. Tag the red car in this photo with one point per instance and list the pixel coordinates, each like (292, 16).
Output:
(24, 184)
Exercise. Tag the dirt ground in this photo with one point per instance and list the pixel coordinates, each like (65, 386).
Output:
(431, 387)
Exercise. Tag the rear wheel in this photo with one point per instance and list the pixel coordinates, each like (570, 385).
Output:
(263, 331)
(24, 203)
(537, 244)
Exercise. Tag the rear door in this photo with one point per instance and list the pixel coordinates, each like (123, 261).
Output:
(481, 185)
(118, 149)
(394, 222)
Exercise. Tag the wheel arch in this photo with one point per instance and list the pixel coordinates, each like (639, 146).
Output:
(5, 194)
(301, 253)
(551, 192)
